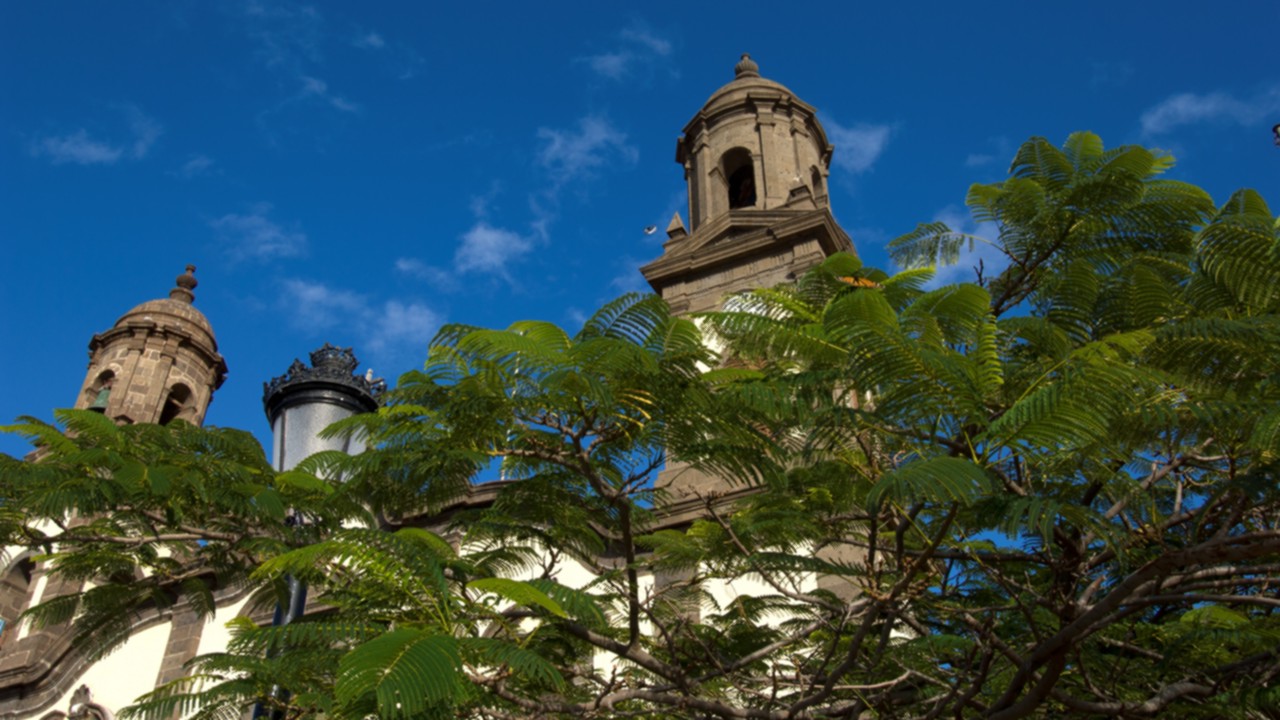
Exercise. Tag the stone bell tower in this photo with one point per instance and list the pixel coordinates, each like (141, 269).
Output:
(756, 161)
(159, 362)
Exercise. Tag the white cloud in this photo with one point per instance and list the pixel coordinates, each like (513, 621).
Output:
(630, 279)
(314, 305)
(612, 65)
(978, 160)
(570, 155)
(639, 50)
(78, 148)
(254, 236)
(316, 88)
(81, 149)
(370, 40)
(145, 131)
(400, 58)
(401, 325)
(645, 38)
(857, 147)
(489, 250)
(439, 279)
(195, 167)
(287, 34)
(1191, 108)
(386, 328)
(576, 316)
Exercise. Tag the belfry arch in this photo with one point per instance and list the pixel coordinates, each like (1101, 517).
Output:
(740, 174)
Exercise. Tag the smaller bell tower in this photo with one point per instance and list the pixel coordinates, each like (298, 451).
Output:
(158, 363)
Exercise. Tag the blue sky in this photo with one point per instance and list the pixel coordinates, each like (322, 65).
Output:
(363, 175)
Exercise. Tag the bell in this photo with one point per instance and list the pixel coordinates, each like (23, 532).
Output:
(99, 403)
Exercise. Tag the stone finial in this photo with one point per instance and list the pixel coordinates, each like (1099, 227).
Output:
(675, 229)
(746, 67)
(186, 282)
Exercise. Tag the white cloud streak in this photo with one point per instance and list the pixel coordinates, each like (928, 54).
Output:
(318, 89)
(858, 146)
(439, 279)
(196, 166)
(490, 250)
(287, 34)
(387, 328)
(571, 155)
(1217, 107)
(370, 40)
(639, 48)
(255, 236)
(79, 148)
(145, 131)
(398, 57)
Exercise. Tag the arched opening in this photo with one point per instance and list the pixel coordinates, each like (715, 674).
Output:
(818, 189)
(741, 174)
(99, 393)
(15, 592)
(174, 406)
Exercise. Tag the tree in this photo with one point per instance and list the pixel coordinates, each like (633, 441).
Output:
(1049, 492)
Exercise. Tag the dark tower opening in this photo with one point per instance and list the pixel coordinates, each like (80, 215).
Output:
(179, 398)
(741, 173)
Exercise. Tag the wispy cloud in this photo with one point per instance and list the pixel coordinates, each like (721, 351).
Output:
(440, 280)
(79, 148)
(288, 35)
(388, 328)
(642, 36)
(369, 41)
(490, 250)
(1001, 152)
(857, 146)
(315, 88)
(576, 154)
(1215, 107)
(255, 236)
(637, 48)
(195, 166)
(289, 38)
(398, 57)
(629, 279)
(145, 131)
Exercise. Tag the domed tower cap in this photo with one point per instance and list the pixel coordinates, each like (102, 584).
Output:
(186, 283)
(746, 67)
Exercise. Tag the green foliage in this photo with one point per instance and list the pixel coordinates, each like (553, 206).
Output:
(1050, 492)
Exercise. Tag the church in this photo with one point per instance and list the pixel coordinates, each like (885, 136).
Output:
(756, 162)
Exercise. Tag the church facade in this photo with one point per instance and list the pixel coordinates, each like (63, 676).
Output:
(756, 161)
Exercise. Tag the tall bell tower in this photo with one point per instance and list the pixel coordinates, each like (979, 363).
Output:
(158, 363)
(756, 161)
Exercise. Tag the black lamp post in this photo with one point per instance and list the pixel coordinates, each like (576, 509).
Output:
(300, 404)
